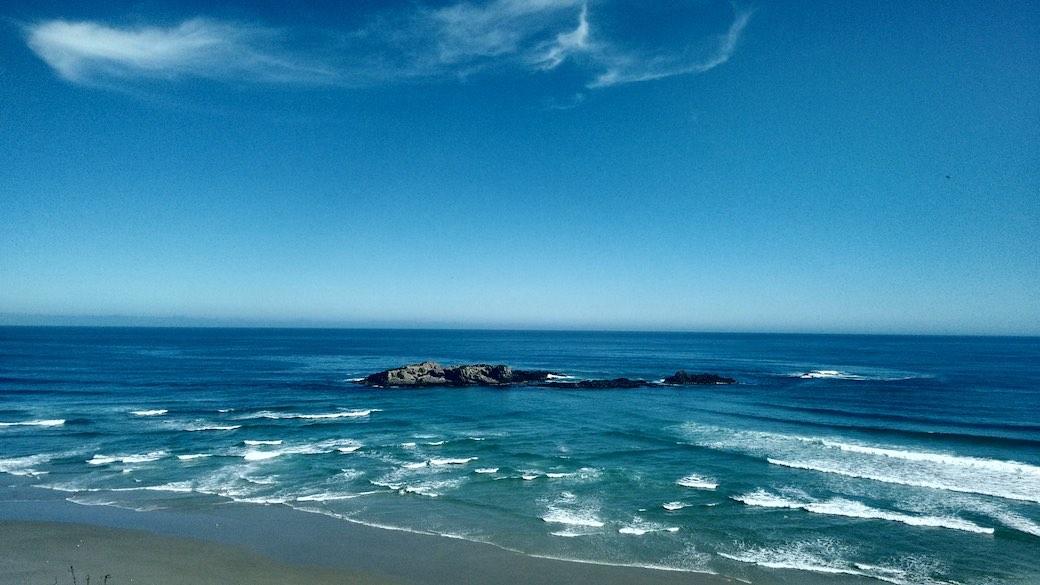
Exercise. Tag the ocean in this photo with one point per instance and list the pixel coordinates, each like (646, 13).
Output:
(897, 459)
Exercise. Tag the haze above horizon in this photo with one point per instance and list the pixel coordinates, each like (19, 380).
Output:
(523, 164)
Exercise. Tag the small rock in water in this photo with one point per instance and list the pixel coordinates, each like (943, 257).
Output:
(684, 378)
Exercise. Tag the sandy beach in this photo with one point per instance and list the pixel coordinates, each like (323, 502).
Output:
(49, 552)
(41, 536)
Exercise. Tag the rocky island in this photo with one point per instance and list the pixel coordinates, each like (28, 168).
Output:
(433, 374)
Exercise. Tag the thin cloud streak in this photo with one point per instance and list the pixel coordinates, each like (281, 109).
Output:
(88, 52)
(627, 69)
(423, 43)
(466, 31)
(577, 40)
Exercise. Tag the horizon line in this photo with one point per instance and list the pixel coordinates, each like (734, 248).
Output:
(181, 322)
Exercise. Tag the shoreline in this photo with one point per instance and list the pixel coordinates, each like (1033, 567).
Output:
(57, 552)
(235, 541)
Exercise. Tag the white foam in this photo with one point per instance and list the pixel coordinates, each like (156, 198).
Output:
(640, 527)
(334, 496)
(557, 475)
(409, 445)
(153, 412)
(486, 470)
(446, 461)
(830, 557)
(421, 490)
(139, 458)
(394, 485)
(343, 414)
(321, 447)
(433, 488)
(821, 556)
(767, 558)
(853, 509)
(1017, 522)
(530, 476)
(697, 482)
(887, 376)
(687, 556)
(194, 456)
(265, 500)
(320, 416)
(50, 422)
(673, 506)
(999, 511)
(254, 442)
(586, 518)
(24, 465)
(570, 533)
(182, 487)
(435, 443)
(416, 465)
(890, 464)
(197, 428)
(830, 374)
(979, 485)
(256, 455)
(94, 501)
(997, 465)
(232, 482)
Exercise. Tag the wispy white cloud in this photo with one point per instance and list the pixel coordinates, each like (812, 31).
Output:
(466, 31)
(86, 52)
(628, 68)
(421, 42)
(551, 55)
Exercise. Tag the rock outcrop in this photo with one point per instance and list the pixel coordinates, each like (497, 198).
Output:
(683, 378)
(434, 374)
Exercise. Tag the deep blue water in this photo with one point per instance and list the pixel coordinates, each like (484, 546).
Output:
(900, 459)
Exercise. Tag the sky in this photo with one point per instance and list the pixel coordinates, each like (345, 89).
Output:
(677, 165)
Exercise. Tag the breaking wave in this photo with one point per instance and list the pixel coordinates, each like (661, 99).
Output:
(24, 465)
(52, 422)
(832, 557)
(197, 428)
(942, 471)
(98, 459)
(319, 416)
(852, 509)
(697, 482)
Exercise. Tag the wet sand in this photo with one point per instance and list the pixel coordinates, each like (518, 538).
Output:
(253, 544)
(45, 552)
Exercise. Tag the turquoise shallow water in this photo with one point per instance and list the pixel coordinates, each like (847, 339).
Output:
(899, 459)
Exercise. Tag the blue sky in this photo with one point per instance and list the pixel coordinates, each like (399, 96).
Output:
(773, 166)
